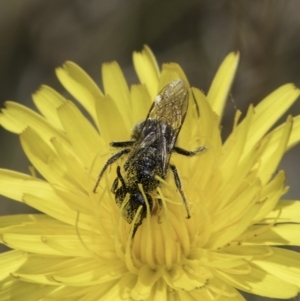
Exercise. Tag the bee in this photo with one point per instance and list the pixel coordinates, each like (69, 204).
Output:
(149, 150)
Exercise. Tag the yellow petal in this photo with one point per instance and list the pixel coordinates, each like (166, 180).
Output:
(37, 231)
(204, 132)
(14, 184)
(116, 87)
(144, 285)
(141, 102)
(42, 156)
(147, 70)
(269, 110)
(285, 211)
(232, 231)
(110, 119)
(80, 86)
(170, 72)
(294, 136)
(14, 290)
(10, 261)
(73, 293)
(28, 243)
(78, 271)
(113, 290)
(273, 153)
(282, 262)
(159, 291)
(63, 245)
(39, 195)
(46, 204)
(234, 146)
(16, 118)
(48, 101)
(280, 234)
(261, 283)
(220, 87)
(270, 195)
(83, 137)
(75, 173)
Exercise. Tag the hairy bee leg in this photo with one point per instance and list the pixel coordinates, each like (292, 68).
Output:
(122, 143)
(120, 176)
(115, 185)
(188, 153)
(110, 161)
(178, 185)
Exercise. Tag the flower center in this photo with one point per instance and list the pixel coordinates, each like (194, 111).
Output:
(163, 238)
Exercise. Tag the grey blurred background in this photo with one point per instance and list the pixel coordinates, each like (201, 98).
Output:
(36, 36)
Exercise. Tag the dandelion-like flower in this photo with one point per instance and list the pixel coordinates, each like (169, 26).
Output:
(81, 248)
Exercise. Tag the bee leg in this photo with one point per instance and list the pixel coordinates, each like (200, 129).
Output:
(122, 144)
(110, 161)
(178, 185)
(120, 176)
(188, 153)
(116, 181)
(114, 186)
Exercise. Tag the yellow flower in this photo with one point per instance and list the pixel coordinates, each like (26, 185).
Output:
(81, 248)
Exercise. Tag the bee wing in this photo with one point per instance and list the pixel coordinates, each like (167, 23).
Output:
(170, 105)
(164, 121)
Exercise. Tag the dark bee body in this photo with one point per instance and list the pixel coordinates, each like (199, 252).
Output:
(149, 152)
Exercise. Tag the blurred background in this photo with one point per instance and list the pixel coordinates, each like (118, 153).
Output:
(36, 36)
